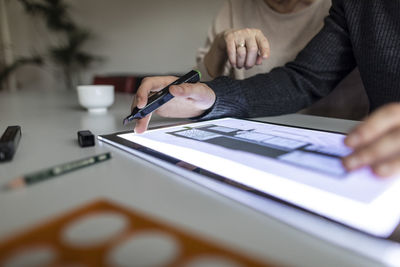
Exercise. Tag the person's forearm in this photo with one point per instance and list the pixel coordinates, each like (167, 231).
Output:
(216, 58)
(325, 61)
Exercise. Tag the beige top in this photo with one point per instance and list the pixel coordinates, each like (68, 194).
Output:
(287, 34)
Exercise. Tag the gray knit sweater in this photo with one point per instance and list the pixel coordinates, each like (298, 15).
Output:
(363, 33)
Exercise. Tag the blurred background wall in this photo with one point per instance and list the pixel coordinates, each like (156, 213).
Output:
(133, 36)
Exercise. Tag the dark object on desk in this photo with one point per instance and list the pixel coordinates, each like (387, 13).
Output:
(126, 84)
(9, 142)
(161, 97)
(85, 138)
(58, 170)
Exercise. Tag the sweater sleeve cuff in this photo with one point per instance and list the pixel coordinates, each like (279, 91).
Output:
(228, 103)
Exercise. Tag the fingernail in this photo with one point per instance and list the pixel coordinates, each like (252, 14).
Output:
(383, 170)
(139, 102)
(352, 163)
(353, 139)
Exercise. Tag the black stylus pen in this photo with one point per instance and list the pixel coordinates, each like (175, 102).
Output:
(158, 99)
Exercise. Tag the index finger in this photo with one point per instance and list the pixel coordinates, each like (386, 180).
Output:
(231, 49)
(380, 122)
(142, 124)
(263, 45)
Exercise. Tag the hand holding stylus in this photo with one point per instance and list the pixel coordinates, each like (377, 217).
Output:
(190, 100)
(156, 99)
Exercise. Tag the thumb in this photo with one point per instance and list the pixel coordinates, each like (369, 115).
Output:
(199, 94)
(194, 91)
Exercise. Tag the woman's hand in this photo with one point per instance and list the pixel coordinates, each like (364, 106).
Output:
(376, 142)
(190, 99)
(243, 48)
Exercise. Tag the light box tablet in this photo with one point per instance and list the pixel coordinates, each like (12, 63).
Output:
(299, 167)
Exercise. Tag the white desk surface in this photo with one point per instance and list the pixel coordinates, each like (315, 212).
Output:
(50, 121)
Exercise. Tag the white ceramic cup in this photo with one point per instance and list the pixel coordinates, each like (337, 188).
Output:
(96, 98)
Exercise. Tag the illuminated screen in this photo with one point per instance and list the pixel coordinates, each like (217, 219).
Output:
(296, 165)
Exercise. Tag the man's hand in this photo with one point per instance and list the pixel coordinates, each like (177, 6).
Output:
(376, 142)
(190, 100)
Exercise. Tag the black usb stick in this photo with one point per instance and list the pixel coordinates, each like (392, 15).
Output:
(9, 142)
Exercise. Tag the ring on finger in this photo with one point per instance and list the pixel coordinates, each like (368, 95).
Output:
(241, 44)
